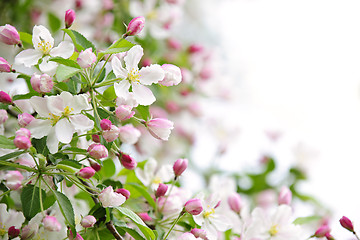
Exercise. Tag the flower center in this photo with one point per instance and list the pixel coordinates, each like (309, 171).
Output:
(55, 118)
(44, 46)
(2, 232)
(209, 212)
(134, 76)
(156, 180)
(152, 15)
(273, 230)
(67, 111)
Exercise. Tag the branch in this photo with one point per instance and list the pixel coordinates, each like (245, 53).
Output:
(113, 230)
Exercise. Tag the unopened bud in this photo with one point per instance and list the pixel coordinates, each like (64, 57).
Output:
(112, 134)
(4, 65)
(135, 26)
(9, 35)
(194, 206)
(13, 179)
(88, 221)
(13, 232)
(128, 162)
(160, 128)
(161, 190)
(5, 98)
(199, 233)
(23, 132)
(285, 196)
(41, 83)
(97, 151)
(347, 224)
(322, 231)
(96, 138)
(24, 119)
(86, 58)
(86, 172)
(180, 166)
(124, 112)
(145, 217)
(124, 192)
(69, 18)
(51, 224)
(235, 202)
(96, 166)
(22, 142)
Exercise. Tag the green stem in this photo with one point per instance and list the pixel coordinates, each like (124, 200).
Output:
(175, 222)
(40, 195)
(4, 193)
(108, 82)
(15, 165)
(102, 68)
(357, 237)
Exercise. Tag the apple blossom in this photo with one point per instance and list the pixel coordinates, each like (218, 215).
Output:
(86, 58)
(127, 161)
(13, 232)
(112, 134)
(124, 192)
(88, 221)
(172, 75)
(44, 48)
(24, 119)
(160, 128)
(97, 151)
(9, 35)
(22, 142)
(129, 134)
(9, 219)
(96, 138)
(69, 17)
(124, 112)
(180, 166)
(193, 206)
(135, 26)
(5, 98)
(136, 78)
(41, 83)
(186, 236)
(23, 132)
(51, 224)
(161, 190)
(347, 224)
(235, 202)
(3, 116)
(4, 65)
(86, 172)
(199, 233)
(13, 179)
(109, 198)
(61, 118)
(105, 124)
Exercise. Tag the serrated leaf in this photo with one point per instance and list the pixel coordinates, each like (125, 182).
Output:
(6, 143)
(54, 22)
(49, 200)
(305, 220)
(26, 37)
(66, 62)
(109, 93)
(80, 42)
(66, 209)
(143, 191)
(40, 145)
(30, 200)
(148, 233)
(64, 72)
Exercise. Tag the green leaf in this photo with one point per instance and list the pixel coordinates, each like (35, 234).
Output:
(129, 230)
(11, 155)
(25, 96)
(80, 42)
(54, 22)
(49, 200)
(64, 72)
(66, 209)
(26, 37)
(73, 85)
(66, 62)
(71, 163)
(30, 200)
(63, 86)
(40, 145)
(108, 168)
(305, 220)
(144, 112)
(143, 191)
(109, 93)
(6, 143)
(120, 45)
(149, 234)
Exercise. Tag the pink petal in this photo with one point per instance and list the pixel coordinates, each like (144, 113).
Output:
(151, 74)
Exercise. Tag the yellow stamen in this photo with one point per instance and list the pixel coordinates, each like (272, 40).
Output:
(209, 213)
(134, 76)
(54, 118)
(2, 232)
(273, 230)
(67, 111)
(156, 180)
(152, 15)
(45, 47)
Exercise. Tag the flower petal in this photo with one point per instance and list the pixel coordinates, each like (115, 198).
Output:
(122, 88)
(119, 71)
(48, 67)
(40, 106)
(40, 36)
(56, 105)
(79, 102)
(65, 49)
(133, 57)
(64, 130)
(39, 128)
(81, 122)
(143, 95)
(29, 57)
(151, 74)
(52, 142)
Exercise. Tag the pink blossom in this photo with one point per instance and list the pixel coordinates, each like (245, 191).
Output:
(180, 166)
(124, 112)
(69, 18)
(112, 134)
(172, 75)
(160, 128)
(124, 192)
(194, 206)
(129, 134)
(22, 142)
(145, 217)
(86, 172)
(13, 179)
(23, 132)
(5, 98)
(9, 35)
(86, 58)
(88, 221)
(199, 233)
(105, 124)
(24, 119)
(161, 190)
(347, 224)
(128, 162)
(285, 196)
(4, 65)
(135, 26)
(109, 198)
(51, 224)
(41, 83)
(97, 151)
(235, 202)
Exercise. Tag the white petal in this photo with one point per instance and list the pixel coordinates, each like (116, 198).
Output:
(133, 57)
(52, 142)
(81, 122)
(64, 50)
(41, 33)
(14, 219)
(221, 223)
(119, 71)
(67, 98)
(28, 57)
(79, 102)
(151, 74)
(48, 67)
(40, 106)
(39, 128)
(56, 105)
(143, 95)
(64, 130)
(122, 88)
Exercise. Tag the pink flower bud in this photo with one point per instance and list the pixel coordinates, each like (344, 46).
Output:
(88, 221)
(9, 35)
(22, 142)
(145, 217)
(23, 132)
(86, 172)
(69, 18)
(128, 162)
(112, 134)
(29, 231)
(95, 165)
(78, 236)
(193, 206)
(97, 151)
(4, 65)
(41, 83)
(285, 196)
(160, 128)
(86, 58)
(161, 190)
(329, 236)
(135, 26)
(129, 134)
(195, 48)
(124, 192)
(124, 112)
(322, 231)
(96, 138)
(174, 44)
(172, 75)
(199, 233)
(109, 198)
(186, 236)
(51, 224)
(172, 107)
(24, 119)
(13, 232)
(347, 224)
(13, 179)
(3, 116)
(235, 202)
(105, 124)
(5, 98)
(146, 62)
(180, 166)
